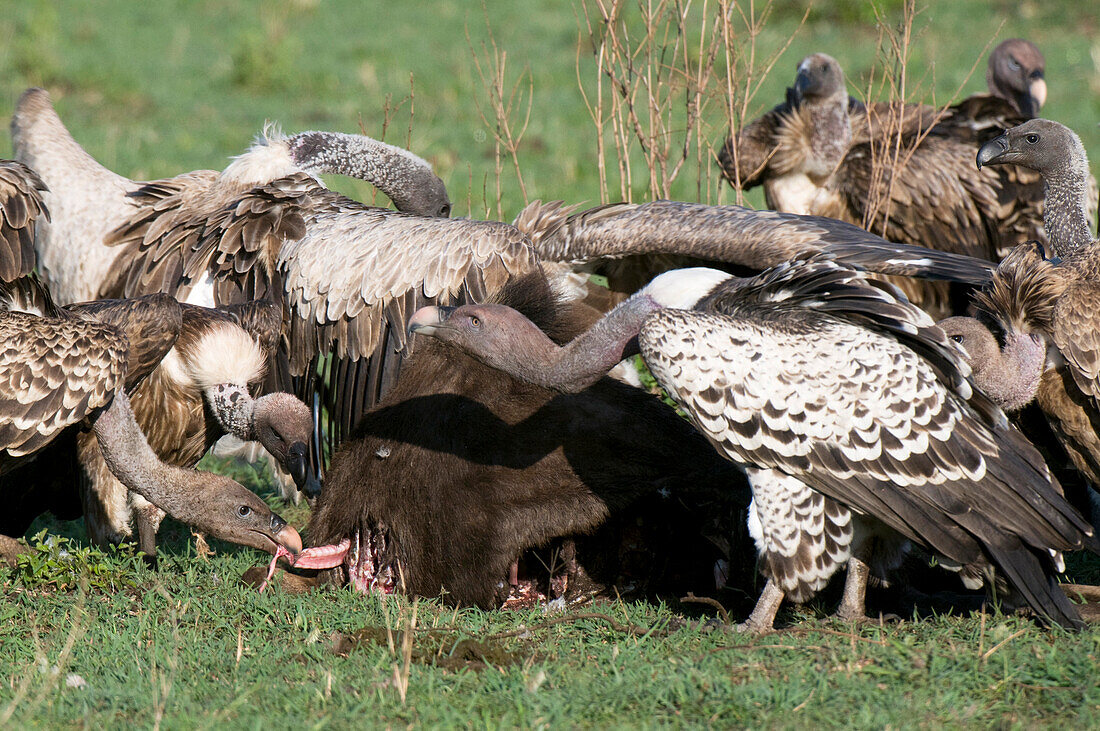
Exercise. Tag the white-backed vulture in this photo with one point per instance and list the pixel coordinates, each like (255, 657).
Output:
(818, 154)
(1057, 298)
(58, 369)
(197, 393)
(812, 373)
(87, 201)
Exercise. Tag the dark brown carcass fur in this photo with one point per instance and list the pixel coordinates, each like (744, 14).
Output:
(463, 468)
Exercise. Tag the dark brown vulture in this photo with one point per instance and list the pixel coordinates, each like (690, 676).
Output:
(842, 400)
(58, 369)
(819, 154)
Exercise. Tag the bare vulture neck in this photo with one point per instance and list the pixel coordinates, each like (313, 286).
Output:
(1065, 212)
(585, 359)
(133, 462)
(235, 410)
(393, 170)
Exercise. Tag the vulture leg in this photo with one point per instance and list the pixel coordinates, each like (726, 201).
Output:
(762, 618)
(852, 605)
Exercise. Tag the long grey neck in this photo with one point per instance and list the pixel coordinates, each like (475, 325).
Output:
(131, 459)
(391, 169)
(831, 135)
(234, 409)
(1012, 380)
(1065, 212)
(588, 357)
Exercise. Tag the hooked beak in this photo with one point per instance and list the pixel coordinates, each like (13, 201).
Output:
(1037, 90)
(299, 467)
(283, 534)
(427, 319)
(992, 151)
(797, 93)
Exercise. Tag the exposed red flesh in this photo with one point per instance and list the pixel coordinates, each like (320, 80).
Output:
(322, 557)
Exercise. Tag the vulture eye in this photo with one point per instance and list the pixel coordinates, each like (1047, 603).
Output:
(957, 338)
(1013, 64)
(1032, 139)
(244, 511)
(475, 321)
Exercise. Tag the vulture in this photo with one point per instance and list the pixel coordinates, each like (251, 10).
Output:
(822, 154)
(347, 275)
(630, 243)
(461, 468)
(197, 393)
(827, 386)
(88, 201)
(1055, 299)
(21, 211)
(59, 369)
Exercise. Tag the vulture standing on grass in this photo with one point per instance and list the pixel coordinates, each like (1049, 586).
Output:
(462, 468)
(58, 369)
(818, 154)
(1055, 299)
(827, 386)
(197, 393)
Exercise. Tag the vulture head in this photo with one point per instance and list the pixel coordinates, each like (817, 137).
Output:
(1015, 74)
(283, 424)
(1047, 147)
(1009, 375)
(226, 510)
(819, 78)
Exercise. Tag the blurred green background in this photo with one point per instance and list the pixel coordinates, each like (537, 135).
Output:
(155, 88)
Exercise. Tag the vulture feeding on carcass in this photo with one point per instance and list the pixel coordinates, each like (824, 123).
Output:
(462, 468)
(198, 392)
(59, 369)
(828, 387)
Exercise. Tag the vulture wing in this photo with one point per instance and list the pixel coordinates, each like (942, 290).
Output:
(53, 373)
(730, 234)
(812, 370)
(20, 206)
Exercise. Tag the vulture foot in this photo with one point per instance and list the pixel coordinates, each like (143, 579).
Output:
(762, 619)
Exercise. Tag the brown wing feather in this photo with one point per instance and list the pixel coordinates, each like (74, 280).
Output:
(53, 373)
(1076, 333)
(151, 324)
(20, 208)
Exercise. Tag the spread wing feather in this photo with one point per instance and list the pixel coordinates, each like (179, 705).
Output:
(20, 207)
(730, 234)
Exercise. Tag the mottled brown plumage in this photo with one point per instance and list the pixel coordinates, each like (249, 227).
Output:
(929, 195)
(60, 367)
(21, 207)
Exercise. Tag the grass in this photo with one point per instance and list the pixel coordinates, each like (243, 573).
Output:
(152, 89)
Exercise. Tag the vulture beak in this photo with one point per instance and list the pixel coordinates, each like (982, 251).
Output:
(299, 467)
(797, 93)
(1038, 92)
(992, 151)
(427, 319)
(284, 535)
